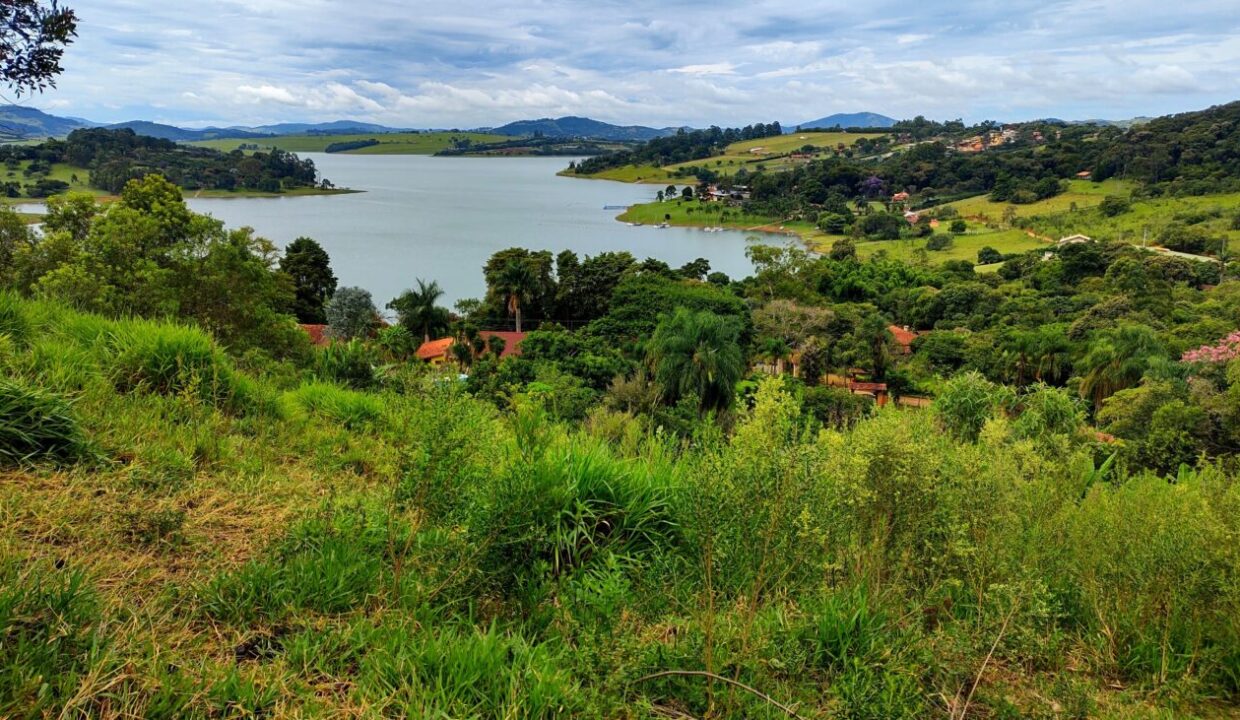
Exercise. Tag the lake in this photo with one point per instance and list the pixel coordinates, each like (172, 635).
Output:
(441, 218)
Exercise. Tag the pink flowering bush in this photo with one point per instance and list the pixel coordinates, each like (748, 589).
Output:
(1223, 351)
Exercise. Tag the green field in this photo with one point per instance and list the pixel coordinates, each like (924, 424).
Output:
(740, 155)
(389, 143)
(964, 247)
(76, 177)
(1081, 193)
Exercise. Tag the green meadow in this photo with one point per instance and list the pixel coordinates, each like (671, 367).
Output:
(741, 155)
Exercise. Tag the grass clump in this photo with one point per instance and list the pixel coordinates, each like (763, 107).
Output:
(167, 359)
(49, 637)
(349, 408)
(37, 425)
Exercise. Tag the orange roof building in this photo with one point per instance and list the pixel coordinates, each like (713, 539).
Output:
(904, 337)
(437, 352)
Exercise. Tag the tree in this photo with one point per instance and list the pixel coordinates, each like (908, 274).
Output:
(697, 354)
(516, 282)
(417, 310)
(33, 36)
(988, 256)
(351, 313)
(843, 249)
(959, 226)
(1117, 360)
(939, 241)
(309, 267)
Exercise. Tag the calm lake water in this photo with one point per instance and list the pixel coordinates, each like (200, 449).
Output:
(441, 218)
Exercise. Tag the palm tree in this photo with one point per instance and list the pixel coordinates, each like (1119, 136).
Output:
(1117, 361)
(516, 282)
(417, 309)
(696, 353)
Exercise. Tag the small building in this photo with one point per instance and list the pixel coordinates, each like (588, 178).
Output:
(904, 337)
(1074, 239)
(439, 351)
(900, 197)
(1085, 175)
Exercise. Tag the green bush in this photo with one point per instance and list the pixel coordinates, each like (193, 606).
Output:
(37, 425)
(966, 402)
(349, 363)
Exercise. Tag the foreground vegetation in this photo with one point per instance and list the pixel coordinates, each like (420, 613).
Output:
(201, 515)
(291, 546)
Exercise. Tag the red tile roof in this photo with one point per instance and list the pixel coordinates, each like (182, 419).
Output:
(434, 349)
(904, 337)
(439, 348)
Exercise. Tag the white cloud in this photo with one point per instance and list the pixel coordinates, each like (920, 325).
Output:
(720, 68)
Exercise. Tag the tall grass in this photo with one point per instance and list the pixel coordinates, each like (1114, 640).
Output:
(48, 637)
(37, 425)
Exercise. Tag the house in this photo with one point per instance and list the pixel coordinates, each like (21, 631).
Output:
(1085, 175)
(904, 337)
(437, 352)
(1074, 240)
(911, 217)
(900, 197)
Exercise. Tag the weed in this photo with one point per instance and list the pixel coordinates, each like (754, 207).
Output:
(38, 425)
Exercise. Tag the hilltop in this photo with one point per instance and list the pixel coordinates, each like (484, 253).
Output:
(847, 120)
(580, 127)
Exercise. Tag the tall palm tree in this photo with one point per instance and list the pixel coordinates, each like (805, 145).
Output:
(417, 309)
(516, 282)
(1117, 361)
(696, 353)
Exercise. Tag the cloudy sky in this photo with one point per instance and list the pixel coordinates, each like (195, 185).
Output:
(466, 63)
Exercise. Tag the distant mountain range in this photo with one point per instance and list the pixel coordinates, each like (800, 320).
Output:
(580, 127)
(846, 120)
(18, 123)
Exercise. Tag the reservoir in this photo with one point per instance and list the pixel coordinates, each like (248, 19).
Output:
(441, 218)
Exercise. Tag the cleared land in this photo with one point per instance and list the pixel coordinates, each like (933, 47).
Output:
(389, 143)
(749, 154)
(1081, 193)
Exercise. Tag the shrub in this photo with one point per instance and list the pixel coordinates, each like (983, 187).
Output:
(966, 402)
(1046, 411)
(1113, 205)
(939, 241)
(37, 425)
(959, 226)
(989, 256)
(350, 363)
(835, 407)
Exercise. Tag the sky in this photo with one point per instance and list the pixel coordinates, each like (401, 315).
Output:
(462, 64)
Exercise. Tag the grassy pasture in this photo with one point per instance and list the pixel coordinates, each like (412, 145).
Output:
(738, 155)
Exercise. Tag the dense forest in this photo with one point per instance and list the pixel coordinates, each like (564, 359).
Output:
(684, 146)
(665, 504)
(114, 157)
